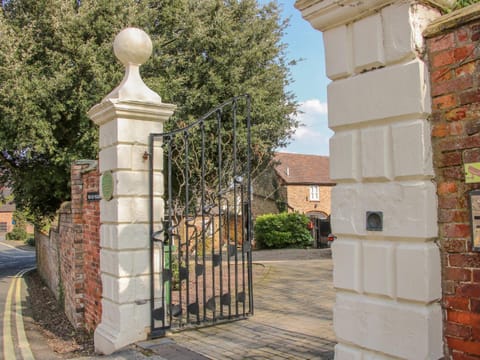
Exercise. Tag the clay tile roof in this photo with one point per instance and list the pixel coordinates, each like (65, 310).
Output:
(302, 168)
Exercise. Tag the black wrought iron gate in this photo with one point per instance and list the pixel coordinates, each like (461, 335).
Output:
(201, 240)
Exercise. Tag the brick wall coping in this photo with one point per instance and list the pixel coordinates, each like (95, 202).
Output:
(453, 20)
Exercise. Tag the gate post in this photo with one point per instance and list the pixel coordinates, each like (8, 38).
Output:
(126, 118)
(384, 208)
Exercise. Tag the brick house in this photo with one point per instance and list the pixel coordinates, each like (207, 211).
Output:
(7, 209)
(296, 182)
(305, 183)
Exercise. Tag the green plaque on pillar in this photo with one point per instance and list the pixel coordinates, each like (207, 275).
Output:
(107, 185)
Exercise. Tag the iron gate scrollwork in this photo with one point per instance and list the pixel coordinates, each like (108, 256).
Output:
(201, 240)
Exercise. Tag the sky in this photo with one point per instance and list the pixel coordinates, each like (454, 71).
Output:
(309, 83)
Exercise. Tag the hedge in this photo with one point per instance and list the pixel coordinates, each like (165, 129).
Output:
(285, 230)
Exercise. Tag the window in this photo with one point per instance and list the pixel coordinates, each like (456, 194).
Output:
(3, 227)
(314, 193)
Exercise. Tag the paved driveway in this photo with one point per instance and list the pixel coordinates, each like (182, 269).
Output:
(294, 298)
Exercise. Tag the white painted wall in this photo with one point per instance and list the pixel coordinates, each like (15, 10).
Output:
(388, 282)
(126, 118)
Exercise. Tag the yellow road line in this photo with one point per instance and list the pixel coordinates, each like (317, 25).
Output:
(8, 349)
(22, 337)
(14, 296)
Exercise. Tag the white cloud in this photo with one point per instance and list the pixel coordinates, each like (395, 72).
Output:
(313, 135)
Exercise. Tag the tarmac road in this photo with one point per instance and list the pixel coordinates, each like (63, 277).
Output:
(13, 263)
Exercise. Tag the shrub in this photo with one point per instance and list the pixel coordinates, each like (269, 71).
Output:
(30, 241)
(285, 230)
(19, 231)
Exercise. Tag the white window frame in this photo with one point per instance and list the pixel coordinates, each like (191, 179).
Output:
(314, 193)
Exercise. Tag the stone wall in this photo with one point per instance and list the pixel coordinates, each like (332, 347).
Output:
(68, 259)
(454, 56)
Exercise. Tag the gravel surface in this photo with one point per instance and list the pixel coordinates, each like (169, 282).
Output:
(52, 322)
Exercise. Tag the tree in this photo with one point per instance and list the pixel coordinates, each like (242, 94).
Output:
(57, 62)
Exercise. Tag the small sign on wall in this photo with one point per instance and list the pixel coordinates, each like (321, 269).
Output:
(93, 196)
(475, 218)
(472, 173)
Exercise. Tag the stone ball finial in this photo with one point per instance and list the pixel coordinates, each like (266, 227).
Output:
(132, 46)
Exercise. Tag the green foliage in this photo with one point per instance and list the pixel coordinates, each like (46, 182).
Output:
(30, 241)
(19, 231)
(464, 3)
(285, 230)
(56, 62)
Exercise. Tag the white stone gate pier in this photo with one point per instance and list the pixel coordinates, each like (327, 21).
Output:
(126, 118)
(384, 208)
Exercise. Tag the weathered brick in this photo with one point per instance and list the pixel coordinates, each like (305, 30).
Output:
(470, 347)
(448, 215)
(444, 102)
(459, 274)
(472, 127)
(450, 159)
(441, 75)
(476, 275)
(470, 96)
(464, 260)
(466, 69)
(475, 334)
(448, 287)
(463, 317)
(464, 52)
(454, 246)
(460, 355)
(453, 172)
(443, 58)
(440, 130)
(454, 85)
(458, 330)
(459, 143)
(471, 155)
(470, 290)
(475, 30)
(462, 35)
(456, 303)
(475, 305)
(455, 128)
(456, 114)
(448, 203)
(446, 188)
(442, 42)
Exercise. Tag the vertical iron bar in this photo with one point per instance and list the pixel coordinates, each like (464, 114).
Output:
(187, 202)
(243, 217)
(229, 281)
(249, 193)
(202, 207)
(212, 226)
(235, 206)
(220, 212)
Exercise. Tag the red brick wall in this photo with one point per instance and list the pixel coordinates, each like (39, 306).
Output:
(69, 258)
(91, 257)
(453, 58)
(7, 218)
